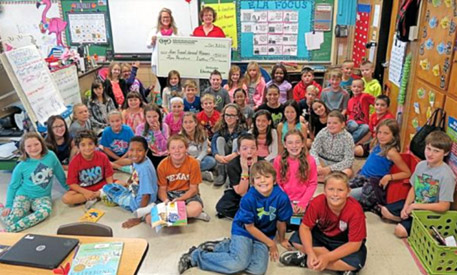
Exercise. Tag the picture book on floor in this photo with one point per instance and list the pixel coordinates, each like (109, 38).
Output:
(92, 215)
(97, 258)
(171, 214)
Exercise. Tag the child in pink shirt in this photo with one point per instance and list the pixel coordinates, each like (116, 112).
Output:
(296, 171)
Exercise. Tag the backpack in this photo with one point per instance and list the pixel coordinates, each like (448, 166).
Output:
(407, 17)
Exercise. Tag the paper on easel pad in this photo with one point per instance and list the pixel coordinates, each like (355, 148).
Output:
(171, 214)
(314, 40)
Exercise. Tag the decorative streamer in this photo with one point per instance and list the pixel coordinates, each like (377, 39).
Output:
(404, 80)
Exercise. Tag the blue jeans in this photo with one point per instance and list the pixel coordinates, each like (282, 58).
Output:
(233, 255)
(119, 194)
(207, 163)
(358, 131)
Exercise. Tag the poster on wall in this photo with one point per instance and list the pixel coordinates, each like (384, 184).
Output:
(452, 132)
(226, 20)
(323, 17)
(272, 30)
(397, 57)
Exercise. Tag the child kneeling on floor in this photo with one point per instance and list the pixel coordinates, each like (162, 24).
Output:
(333, 231)
(432, 185)
(140, 192)
(263, 210)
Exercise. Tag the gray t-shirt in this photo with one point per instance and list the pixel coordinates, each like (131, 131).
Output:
(433, 184)
(221, 96)
(335, 100)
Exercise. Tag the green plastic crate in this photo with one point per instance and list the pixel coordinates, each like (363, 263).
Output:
(436, 259)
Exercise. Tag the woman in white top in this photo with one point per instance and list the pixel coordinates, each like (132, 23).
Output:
(165, 27)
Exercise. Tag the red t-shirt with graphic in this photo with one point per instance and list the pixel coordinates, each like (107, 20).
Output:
(89, 174)
(350, 222)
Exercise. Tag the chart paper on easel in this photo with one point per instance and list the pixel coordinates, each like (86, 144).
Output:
(33, 82)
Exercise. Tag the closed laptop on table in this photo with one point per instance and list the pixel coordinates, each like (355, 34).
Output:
(39, 251)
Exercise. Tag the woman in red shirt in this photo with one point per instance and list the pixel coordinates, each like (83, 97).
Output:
(208, 29)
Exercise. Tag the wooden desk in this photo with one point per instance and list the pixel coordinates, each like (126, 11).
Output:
(132, 255)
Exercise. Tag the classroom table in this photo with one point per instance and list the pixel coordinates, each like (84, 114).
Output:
(133, 253)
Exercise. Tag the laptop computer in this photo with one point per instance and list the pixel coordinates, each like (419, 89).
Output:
(39, 251)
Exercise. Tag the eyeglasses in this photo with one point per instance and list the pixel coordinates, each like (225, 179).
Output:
(230, 115)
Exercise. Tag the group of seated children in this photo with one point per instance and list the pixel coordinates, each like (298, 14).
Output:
(250, 133)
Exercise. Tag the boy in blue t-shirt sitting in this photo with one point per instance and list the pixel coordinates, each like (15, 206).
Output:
(433, 185)
(115, 140)
(264, 209)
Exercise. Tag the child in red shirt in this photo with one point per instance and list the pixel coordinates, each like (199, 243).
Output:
(307, 78)
(88, 171)
(358, 111)
(333, 231)
(209, 116)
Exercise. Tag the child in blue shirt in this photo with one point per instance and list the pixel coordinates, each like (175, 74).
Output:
(141, 190)
(191, 100)
(115, 140)
(28, 199)
(263, 210)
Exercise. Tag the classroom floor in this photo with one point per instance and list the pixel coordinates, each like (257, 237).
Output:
(386, 254)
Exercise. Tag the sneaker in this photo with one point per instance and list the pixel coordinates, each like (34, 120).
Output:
(348, 272)
(209, 245)
(126, 169)
(204, 217)
(88, 205)
(185, 261)
(293, 258)
(143, 211)
(208, 176)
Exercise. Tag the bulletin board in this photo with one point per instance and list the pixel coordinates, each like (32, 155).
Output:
(89, 6)
(88, 28)
(271, 30)
(21, 25)
(437, 39)
(425, 98)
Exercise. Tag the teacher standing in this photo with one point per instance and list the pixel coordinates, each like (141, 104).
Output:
(208, 29)
(165, 27)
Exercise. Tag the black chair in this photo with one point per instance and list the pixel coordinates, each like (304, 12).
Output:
(85, 229)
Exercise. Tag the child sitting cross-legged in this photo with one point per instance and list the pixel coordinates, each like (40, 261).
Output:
(263, 211)
(432, 185)
(88, 171)
(178, 179)
(333, 231)
(28, 199)
(140, 192)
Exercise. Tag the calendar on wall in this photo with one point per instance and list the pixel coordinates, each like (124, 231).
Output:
(88, 28)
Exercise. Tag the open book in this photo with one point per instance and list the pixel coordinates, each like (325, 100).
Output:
(171, 214)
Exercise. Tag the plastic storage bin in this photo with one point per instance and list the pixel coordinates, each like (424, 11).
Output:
(398, 189)
(436, 258)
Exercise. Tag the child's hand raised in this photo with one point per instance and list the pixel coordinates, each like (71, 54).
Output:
(6, 212)
(136, 64)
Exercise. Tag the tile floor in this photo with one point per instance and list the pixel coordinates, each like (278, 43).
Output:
(386, 254)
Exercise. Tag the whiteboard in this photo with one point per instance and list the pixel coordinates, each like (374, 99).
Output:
(23, 19)
(132, 20)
